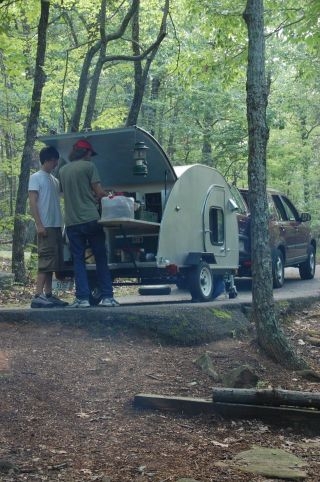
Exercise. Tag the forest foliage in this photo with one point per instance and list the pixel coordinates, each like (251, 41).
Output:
(190, 71)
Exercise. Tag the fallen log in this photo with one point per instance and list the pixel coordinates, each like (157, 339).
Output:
(315, 341)
(195, 406)
(274, 397)
(314, 333)
(190, 405)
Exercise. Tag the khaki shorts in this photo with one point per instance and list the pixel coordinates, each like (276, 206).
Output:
(50, 251)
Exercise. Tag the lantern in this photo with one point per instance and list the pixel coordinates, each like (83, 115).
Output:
(140, 167)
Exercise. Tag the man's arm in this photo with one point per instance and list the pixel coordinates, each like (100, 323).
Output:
(98, 190)
(33, 201)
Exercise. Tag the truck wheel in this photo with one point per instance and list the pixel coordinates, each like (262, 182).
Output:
(308, 268)
(277, 269)
(201, 282)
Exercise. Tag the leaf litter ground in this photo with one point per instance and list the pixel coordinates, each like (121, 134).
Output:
(67, 413)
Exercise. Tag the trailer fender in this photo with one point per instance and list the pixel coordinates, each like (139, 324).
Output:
(195, 258)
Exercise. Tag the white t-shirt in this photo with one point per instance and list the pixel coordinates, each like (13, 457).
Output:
(48, 189)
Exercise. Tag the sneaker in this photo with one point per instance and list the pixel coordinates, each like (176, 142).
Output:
(41, 301)
(56, 300)
(108, 302)
(80, 304)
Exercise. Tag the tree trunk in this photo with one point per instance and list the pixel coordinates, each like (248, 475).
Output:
(82, 89)
(305, 163)
(270, 336)
(206, 151)
(18, 264)
(171, 148)
(141, 74)
(149, 110)
(100, 46)
(139, 77)
(97, 70)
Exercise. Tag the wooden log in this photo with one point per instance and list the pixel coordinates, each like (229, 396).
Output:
(188, 405)
(315, 341)
(196, 406)
(314, 333)
(274, 397)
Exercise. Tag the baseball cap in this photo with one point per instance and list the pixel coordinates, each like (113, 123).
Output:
(83, 144)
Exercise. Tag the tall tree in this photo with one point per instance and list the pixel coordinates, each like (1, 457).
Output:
(140, 72)
(270, 336)
(99, 48)
(18, 264)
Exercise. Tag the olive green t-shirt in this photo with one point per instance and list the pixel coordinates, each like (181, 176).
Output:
(80, 205)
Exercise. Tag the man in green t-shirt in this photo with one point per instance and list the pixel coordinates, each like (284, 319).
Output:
(80, 183)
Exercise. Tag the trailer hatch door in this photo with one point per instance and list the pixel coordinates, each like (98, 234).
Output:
(213, 220)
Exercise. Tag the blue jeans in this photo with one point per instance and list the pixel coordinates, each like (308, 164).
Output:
(80, 237)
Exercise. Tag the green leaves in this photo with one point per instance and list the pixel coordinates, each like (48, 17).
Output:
(200, 72)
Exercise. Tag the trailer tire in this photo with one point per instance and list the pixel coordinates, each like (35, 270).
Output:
(95, 295)
(201, 282)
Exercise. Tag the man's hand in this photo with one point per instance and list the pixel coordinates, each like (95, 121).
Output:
(41, 231)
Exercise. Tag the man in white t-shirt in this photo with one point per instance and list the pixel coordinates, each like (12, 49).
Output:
(44, 200)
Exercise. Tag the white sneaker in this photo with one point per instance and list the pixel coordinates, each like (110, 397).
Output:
(80, 304)
(108, 302)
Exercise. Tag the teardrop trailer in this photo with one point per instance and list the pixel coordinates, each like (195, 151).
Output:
(184, 227)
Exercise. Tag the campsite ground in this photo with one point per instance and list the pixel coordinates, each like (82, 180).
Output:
(67, 405)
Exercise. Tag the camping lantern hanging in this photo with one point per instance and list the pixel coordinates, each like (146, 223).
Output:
(140, 167)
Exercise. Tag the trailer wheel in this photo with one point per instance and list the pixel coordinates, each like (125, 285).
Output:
(201, 282)
(95, 294)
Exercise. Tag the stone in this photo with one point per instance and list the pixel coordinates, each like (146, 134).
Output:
(205, 363)
(7, 467)
(241, 377)
(187, 480)
(271, 462)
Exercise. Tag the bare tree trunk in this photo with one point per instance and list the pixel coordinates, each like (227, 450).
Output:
(270, 336)
(18, 264)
